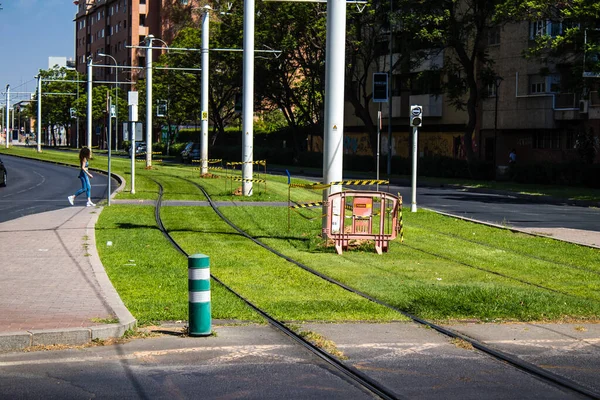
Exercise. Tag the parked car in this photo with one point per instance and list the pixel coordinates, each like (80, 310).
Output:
(3, 174)
(140, 147)
(191, 152)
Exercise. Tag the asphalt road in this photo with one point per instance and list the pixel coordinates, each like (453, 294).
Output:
(34, 187)
(502, 209)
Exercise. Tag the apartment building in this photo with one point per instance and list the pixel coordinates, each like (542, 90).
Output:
(529, 107)
(113, 26)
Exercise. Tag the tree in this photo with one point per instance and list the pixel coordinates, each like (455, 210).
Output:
(573, 40)
(58, 86)
(457, 30)
(293, 83)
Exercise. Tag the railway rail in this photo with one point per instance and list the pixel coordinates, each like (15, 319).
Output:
(349, 372)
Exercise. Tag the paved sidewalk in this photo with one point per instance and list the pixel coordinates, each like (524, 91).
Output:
(54, 288)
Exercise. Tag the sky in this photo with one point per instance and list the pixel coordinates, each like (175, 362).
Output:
(30, 32)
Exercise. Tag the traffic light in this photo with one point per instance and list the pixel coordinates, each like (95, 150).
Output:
(416, 116)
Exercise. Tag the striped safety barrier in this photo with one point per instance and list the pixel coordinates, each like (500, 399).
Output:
(307, 205)
(400, 223)
(246, 180)
(258, 162)
(210, 161)
(199, 295)
(321, 185)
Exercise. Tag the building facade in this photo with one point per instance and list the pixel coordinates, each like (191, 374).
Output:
(116, 27)
(530, 107)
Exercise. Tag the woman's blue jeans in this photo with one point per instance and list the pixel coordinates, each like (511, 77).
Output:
(85, 186)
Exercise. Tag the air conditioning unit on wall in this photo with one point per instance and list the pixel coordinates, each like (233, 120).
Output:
(583, 106)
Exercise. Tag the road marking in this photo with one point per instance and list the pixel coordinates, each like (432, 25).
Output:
(236, 352)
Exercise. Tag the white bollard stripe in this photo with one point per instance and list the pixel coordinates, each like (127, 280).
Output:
(199, 297)
(196, 274)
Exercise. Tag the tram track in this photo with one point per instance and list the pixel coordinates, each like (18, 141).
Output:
(532, 369)
(346, 371)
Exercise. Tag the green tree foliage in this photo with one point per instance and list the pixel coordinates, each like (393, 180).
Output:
(59, 91)
(457, 30)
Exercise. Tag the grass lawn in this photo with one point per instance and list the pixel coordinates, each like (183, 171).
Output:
(447, 269)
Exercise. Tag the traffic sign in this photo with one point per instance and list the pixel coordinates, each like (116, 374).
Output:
(380, 87)
(416, 118)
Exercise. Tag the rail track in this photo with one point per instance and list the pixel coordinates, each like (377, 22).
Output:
(351, 373)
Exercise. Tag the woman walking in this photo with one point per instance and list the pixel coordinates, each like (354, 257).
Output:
(84, 177)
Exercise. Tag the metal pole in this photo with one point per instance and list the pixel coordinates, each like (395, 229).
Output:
(334, 99)
(89, 103)
(7, 113)
(148, 102)
(116, 111)
(108, 144)
(390, 80)
(204, 94)
(413, 206)
(248, 99)
(378, 141)
(39, 114)
(132, 141)
(116, 97)
(77, 116)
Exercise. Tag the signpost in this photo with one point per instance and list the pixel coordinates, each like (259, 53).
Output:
(132, 101)
(416, 120)
(380, 95)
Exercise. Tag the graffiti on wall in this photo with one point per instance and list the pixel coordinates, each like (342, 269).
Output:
(447, 144)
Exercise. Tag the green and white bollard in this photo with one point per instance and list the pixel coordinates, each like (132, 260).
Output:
(199, 295)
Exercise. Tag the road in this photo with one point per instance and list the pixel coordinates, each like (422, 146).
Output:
(502, 209)
(35, 187)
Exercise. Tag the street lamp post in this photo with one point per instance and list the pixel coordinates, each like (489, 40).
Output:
(7, 113)
(110, 125)
(116, 98)
(498, 80)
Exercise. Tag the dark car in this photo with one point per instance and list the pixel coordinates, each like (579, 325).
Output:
(191, 152)
(3, 175)
(140, 148)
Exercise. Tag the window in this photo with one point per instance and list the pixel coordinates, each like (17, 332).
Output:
(142, 1)
(537, 84)
(537, 28)
(538, 87)
(548, 139)
(494, 36)
(141, 39)
(142, 19)
(547, 27)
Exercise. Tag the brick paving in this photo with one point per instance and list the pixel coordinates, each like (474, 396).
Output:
(48, 281)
